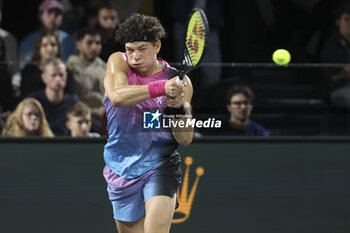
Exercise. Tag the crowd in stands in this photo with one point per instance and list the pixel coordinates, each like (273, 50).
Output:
(57, 86)
(51, 80)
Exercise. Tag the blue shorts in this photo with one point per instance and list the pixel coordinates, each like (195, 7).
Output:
(128, 197)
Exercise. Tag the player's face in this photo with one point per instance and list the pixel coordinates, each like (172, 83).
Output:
(89, 47)
(51, 19)
(344, 24)
(108, 19)
(142, 56)
(55, 76)
(79, 125)
(240, 107)
(31, 118)
(48, 48)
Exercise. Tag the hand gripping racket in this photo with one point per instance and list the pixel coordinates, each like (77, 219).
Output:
(196, 42)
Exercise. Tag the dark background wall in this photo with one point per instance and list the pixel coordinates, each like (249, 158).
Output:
(272, 186)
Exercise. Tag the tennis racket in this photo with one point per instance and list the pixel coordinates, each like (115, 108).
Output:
(196, 42)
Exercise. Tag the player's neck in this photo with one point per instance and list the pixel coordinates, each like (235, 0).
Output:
(156, 68)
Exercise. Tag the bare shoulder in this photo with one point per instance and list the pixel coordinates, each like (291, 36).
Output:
(117, 62)
(117, 69)
(117, 56)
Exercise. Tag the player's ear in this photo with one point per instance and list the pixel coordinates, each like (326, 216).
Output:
(158, 45)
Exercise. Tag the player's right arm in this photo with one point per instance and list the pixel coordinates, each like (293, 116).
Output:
(117, 87)
(116, 84)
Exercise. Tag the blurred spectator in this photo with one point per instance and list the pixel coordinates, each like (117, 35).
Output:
(27, 120)
(53, 99)
(240, 101)
(107, 22)
(79, 120)
(337, 50)
(46, 46)
(88, 72)
(74, 15)
(10, 48)
(7, 99)
(50, 15)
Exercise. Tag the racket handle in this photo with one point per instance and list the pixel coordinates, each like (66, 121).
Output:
(178, 80)
(181, 76)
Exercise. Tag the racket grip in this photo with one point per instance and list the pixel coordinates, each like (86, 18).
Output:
(178, 80)
(181, 76)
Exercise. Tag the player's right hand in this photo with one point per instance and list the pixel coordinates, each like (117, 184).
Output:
(174, 89)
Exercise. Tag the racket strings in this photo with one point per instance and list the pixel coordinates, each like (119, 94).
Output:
(195, 38)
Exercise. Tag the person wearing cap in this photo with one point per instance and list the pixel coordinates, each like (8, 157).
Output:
(50, 14)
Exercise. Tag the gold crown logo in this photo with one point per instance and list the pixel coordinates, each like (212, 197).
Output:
(185, 201)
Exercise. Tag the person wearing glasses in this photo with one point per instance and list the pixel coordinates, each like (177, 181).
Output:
(240, 99)
(27, 120)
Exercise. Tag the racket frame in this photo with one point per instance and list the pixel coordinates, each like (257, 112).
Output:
(186, 64)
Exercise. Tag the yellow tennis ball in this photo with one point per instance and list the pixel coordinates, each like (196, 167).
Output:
(281, 57)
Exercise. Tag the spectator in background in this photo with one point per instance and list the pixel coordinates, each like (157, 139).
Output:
(89, 71)
(46, 46)
(27, 120)
(7, 99)
(240, 105)
(337, 50)
(10, 48)
(74, 15)
(107, 22)
(50, 15)
(53, 99)
(79, 120)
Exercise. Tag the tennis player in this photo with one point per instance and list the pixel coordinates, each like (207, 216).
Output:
(142, 165)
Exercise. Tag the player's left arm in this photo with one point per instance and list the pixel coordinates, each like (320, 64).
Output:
(184, 135)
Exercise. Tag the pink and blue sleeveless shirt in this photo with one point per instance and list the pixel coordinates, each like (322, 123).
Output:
(131, 150)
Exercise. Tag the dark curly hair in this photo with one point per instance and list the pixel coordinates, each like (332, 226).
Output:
(140, 27)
